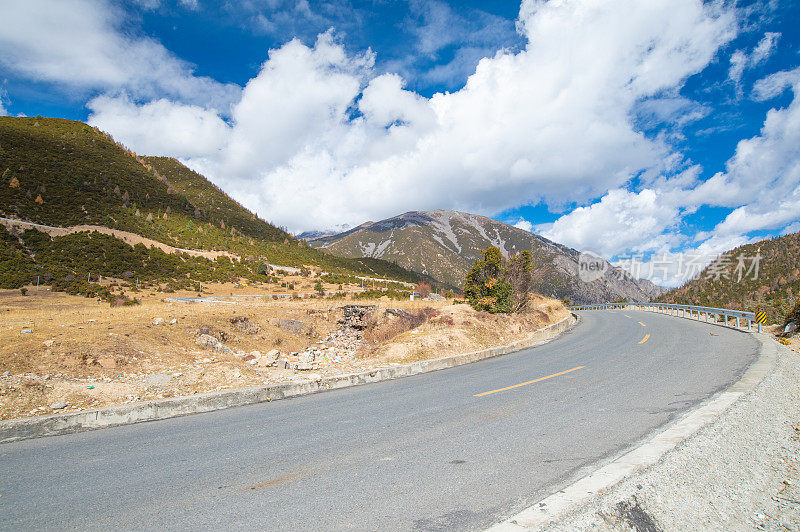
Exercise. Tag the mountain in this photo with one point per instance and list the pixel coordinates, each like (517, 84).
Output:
(64, 173)
(770, 283)
(444, 244)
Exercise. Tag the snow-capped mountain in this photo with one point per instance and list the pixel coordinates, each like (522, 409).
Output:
(444, 244)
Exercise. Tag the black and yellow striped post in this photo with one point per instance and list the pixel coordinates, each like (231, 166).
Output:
(761, 317)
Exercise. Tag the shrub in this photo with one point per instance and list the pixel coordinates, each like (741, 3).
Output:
(793, 316)
(498, 285)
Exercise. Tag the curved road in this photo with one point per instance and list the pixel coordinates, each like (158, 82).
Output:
(428, 452)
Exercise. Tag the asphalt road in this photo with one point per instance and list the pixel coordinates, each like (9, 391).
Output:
(426, 452)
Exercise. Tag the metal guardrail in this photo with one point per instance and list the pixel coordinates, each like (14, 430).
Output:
(709, 314)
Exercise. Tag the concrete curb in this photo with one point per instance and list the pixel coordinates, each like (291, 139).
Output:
(581, 492)
(19, 429)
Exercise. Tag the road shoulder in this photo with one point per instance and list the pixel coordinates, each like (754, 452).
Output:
(721, 466)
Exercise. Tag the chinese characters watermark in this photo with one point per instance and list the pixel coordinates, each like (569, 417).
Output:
(671, 266)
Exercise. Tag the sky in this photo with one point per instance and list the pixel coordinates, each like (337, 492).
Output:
(641, 131)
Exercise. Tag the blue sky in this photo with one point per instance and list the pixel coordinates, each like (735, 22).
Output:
(623, 127)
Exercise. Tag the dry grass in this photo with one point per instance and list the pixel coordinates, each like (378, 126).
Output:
(89, 354)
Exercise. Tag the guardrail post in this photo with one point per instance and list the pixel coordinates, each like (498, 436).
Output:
(738, 324)
(759, 327)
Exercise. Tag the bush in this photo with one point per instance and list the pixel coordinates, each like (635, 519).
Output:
(381, 331)
(23, 291)
(793, 316)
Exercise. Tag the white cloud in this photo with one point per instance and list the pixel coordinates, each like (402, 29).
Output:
(790, 229)
(774, 84)
(765, 47)
(762, 179)
(316, 139)
(738, 64)
(741, 61)
(620, 221)
(161, 127)
(524, 224)
(79, 43)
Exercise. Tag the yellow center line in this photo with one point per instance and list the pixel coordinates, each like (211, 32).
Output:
(643, 340)
(631, 317)
(642, 324)
(529, 382)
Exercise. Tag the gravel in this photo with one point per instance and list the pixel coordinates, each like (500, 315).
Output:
(739, 472)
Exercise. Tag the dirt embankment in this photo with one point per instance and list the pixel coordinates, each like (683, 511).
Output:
(61, 352)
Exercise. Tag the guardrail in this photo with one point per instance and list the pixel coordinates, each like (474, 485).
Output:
(709, 314)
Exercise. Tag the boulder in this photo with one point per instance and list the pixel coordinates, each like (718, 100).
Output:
(206, 340)
(158, 321)
(269, 358)
(58, 406)
(291, 326)
(108, 363)
(306, 357)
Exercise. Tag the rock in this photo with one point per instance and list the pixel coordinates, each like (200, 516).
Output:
(158, 321)
(243, 324)
(157, 379)
(6, 373)
(291, 326)
(108, 363)
(269, 358)
(306, 357)
(206, 340)
(173, 321)
(48, 343)
(790, 327)
(26, 331)
(58, 406)
(434, 297)
(303, 366)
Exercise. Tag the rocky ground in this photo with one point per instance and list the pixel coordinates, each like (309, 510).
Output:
(67, 353)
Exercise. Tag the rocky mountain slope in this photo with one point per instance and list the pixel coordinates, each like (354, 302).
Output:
(770, 283)
(444, 244)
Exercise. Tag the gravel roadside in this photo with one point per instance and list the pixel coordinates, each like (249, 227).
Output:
(740, 472)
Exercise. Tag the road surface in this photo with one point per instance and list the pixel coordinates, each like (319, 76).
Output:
(455, 449)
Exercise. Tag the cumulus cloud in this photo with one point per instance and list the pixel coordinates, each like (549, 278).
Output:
(762, 179)
(80, 44)
(524, 224)
(161, 127)
(318, 138)
(622, 220)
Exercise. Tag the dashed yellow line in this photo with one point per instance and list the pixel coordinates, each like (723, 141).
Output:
(528, 382)
(643, 340)
(642, 324)
(631, 317)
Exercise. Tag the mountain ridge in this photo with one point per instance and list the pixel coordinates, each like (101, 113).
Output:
(444, 243)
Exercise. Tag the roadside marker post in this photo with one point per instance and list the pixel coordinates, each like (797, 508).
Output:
(761, 317)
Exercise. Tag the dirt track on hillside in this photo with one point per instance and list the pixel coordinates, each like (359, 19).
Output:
(129, 238)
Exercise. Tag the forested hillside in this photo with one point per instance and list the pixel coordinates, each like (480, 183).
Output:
(764, 276)
(65, 173)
